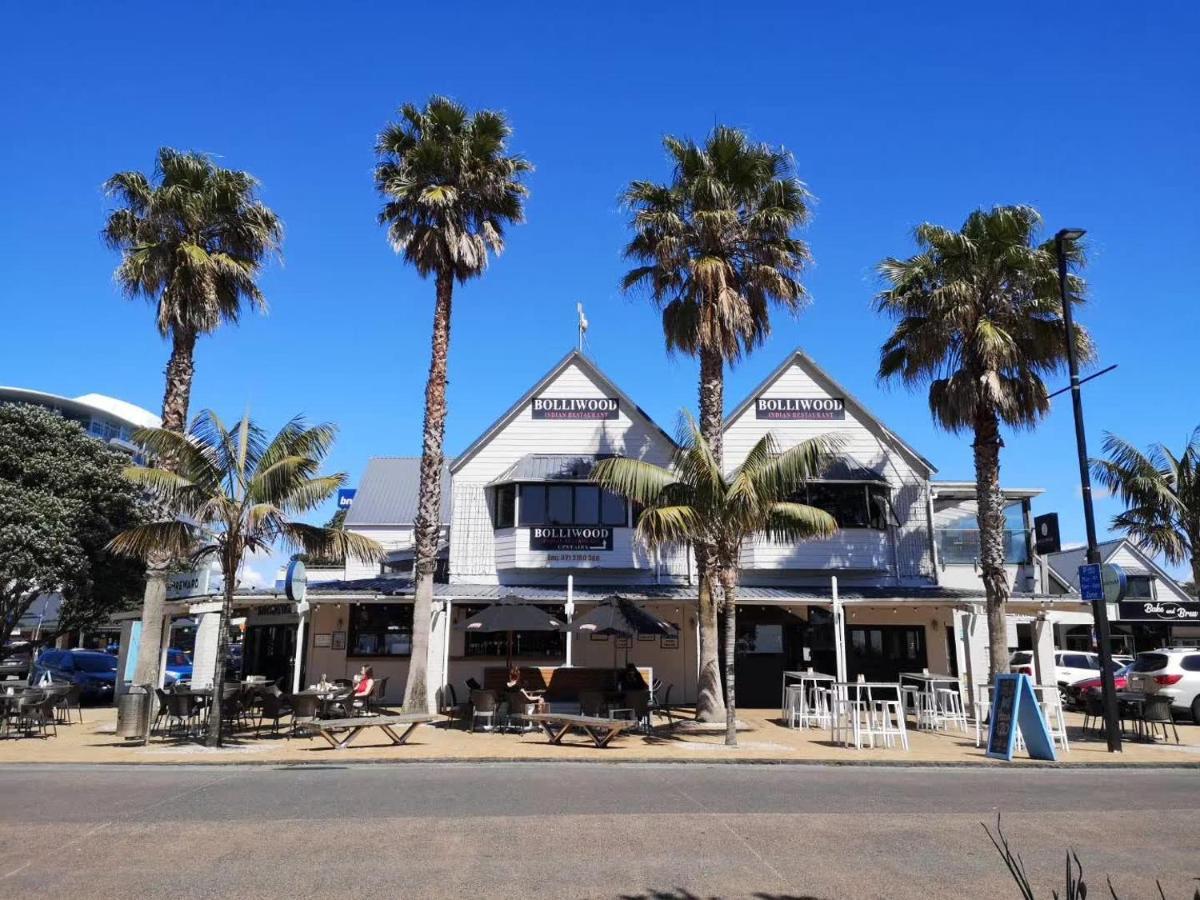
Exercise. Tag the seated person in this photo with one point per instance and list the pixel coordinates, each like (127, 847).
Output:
(513, 686)
(364, 682)
(630, 679)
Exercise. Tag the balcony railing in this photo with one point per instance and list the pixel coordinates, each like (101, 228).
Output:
(960, 546)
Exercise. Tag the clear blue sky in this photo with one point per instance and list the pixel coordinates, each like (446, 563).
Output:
(896, 114)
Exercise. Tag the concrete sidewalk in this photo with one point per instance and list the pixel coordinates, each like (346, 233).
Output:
(767, 741)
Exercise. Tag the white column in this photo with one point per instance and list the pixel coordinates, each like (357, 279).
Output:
(839, 630)
(166, 644)
(569, 612)
(1043, 651)
(446, 647)
(126, 645)
(204, 656)
(301, 617)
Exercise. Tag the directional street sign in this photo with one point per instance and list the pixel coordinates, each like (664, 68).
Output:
(1091, 582)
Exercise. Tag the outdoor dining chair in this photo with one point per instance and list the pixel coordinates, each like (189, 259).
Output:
(1093, 712)
(305, 710)
(639, 702)
(72, 700)
(270, 708)
(484, 705)
(1156, 713)
(181, 712)
(451, 708)
(661, 702)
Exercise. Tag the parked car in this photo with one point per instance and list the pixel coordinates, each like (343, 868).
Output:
(93, 671)
(1174, 672)
(15, 663)
(1073, 694)
(1070, 667)
(179, 666)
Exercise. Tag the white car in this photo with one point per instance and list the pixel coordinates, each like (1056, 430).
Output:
(1070, 666)
(1174, 672)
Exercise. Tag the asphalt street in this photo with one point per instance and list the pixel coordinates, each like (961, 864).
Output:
(571, 830)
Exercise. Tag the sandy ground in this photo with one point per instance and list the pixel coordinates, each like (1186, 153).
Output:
(767, 740)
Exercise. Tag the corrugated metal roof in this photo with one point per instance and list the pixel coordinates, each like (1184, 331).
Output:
(387, 493)
(551, 467)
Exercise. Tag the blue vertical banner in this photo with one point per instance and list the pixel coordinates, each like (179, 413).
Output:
(131, 654)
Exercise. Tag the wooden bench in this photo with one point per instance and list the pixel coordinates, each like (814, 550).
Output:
(340, 733)
(601, 731)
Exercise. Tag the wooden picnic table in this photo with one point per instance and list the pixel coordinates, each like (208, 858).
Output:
(340, 733)
(601, 731)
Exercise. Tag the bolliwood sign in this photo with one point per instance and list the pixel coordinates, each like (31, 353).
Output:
(570, 537)
(575, 407)
(800, 408)
(1159, 611)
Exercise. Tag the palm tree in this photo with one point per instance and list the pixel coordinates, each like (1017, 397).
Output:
(695, 501)
(450, 188)
(193, 240)
(979, 320)
(1161, 493)
(714, 249)
(229, 493)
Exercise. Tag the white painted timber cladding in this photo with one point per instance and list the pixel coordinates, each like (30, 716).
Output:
(902, 553)
(477, 553)
(391, 537)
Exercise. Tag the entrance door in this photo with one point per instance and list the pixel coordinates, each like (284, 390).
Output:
(768, 642)
(882, 652)
(269, 651)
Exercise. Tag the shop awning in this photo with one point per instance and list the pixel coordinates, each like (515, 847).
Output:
(551, 467)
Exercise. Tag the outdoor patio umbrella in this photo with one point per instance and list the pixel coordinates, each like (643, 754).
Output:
(617, 615)
(510, 615)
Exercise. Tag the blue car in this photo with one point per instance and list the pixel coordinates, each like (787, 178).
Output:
(93, 671)
(179, 666)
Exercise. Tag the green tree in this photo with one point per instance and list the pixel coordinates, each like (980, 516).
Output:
(695, 501)
(230, 493)
(979, 320)
(1161, 493)
(62, 498)
(715, 248)
(193, 240)
(450, 188)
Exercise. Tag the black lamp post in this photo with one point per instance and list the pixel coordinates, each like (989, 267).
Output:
(1112, 726)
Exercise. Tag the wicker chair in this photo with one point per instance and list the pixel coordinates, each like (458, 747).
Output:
(270, 707)
(484, 705)
(662, 702)
(306, 708)
(1157, 713)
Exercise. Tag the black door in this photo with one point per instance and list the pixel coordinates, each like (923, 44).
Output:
(269, 650)
(882, 652)
(769, 640)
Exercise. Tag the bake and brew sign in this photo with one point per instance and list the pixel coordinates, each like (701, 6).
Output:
(800, 408)
(573, 538)
(575, 407)
(1159, 611)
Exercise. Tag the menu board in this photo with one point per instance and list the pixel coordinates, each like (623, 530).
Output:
(1015, 709)
(1004, 708)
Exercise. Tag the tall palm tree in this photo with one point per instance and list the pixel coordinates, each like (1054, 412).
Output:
(193, 240)
(450, 188)
(1161, 493)
(695, 501)
(979, 320)
(229, 493)
(714, 249)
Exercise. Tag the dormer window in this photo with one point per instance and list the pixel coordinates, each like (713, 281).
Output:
(552, 489)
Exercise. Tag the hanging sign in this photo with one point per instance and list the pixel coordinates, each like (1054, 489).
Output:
(575, 407)
(570, 537)
(799, 408)
(1046, 534)
(1015, 708)
(1114, 583)
(194, 583)
(295, 584)
(345, 497)
(1091, 582)
(1159, 611)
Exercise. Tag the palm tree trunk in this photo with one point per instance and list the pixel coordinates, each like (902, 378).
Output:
(710, 706)
(213, 732)
(176, 397)
(991, 536)
(417, 695)
(729, 588)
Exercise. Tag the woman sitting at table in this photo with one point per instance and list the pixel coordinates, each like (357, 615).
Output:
(364, 682)
(630, 679)
(514, 686)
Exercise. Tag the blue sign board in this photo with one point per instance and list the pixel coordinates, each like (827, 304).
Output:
(346, 497)
(1091, 582)
(1015, 708)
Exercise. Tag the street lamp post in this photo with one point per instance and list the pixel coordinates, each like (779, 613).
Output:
(1108, 687)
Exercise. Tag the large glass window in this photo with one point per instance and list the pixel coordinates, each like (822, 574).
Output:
(527, 645)
(957, 532)
(506, 504)
(380, 629)
(565, 504)
(1137, 587)
(851, 505)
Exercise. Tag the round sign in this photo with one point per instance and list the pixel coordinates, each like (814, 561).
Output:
(295, 584)
(1113, 580)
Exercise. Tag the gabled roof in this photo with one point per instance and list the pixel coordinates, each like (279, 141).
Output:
(806, 362)
(513, 411)
(1065, 564)
(388, 492)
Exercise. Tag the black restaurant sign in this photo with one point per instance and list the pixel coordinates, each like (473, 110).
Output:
(570, 537)
(799, 408)
(1186, 611)
(575, 407)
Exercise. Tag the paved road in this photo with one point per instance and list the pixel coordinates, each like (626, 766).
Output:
(546, 830)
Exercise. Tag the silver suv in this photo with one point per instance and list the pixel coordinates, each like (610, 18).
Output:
(1174, 672)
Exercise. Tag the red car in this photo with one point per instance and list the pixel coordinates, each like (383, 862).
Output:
(1076, 692)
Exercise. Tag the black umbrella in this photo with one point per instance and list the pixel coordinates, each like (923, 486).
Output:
(617, 615)
(510, 616)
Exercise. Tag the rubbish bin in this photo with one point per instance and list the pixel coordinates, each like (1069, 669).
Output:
(133, 712)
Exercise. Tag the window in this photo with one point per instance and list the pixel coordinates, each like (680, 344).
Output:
(506, 505)
(1079, 661)
(1137, 587)
(852, 505)
(1191, 663)
(380, 629)
(95, 664)
(548, 645)
(1150, 662)
(565, 504)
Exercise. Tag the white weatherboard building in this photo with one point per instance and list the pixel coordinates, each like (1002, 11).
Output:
(522, 520)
